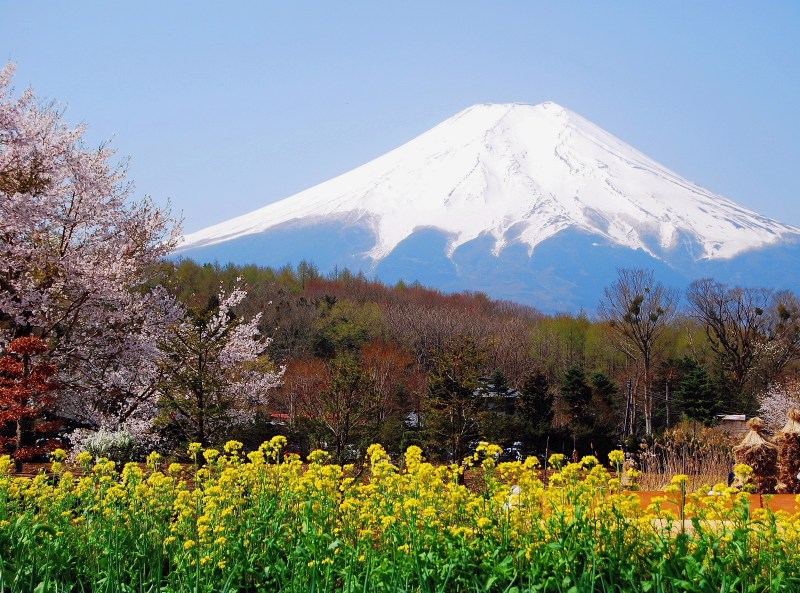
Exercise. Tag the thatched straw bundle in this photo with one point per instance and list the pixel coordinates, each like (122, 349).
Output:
(757, 452)
(788, 441)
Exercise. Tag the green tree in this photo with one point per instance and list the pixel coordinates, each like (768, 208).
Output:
(452, 411)
(696, 394)
(348, 404)
(214, 373)
(536, 406)
(345, 325)
(576, 397)
(499, 382)
(605, 413)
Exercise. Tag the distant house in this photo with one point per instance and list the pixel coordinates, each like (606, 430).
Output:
(413, 420)
(279, 419)
(503, 401)
(735, 425)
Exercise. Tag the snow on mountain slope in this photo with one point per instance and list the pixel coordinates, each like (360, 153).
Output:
(519, 174)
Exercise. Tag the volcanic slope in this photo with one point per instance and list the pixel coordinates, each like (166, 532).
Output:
(528, 202)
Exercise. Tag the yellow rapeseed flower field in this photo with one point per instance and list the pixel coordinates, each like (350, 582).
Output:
(263, 522)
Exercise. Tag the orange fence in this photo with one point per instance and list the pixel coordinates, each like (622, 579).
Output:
(774, 502)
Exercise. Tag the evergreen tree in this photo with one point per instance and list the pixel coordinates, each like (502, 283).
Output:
(536, 405)
(576, 398)
(604, 418)
(697, 395)
(452, 411)
(499, 382)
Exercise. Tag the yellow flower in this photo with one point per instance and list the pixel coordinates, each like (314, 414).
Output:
(743, 471)
(387, 521)
(233, 447)
(153, 460)
(531, 463)
(376, 454)
(318, 456)
(58, 455)
(194, 449)
(493, 450)
(278, 442)
(189, 544)
(256, 457)
(616, 457)
(84, 458)
(680, 480)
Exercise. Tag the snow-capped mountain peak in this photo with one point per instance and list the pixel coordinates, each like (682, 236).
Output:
(519, 174)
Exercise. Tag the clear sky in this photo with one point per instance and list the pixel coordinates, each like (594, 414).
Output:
(224, 107)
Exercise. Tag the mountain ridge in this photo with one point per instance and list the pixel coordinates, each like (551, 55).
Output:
(505, 176)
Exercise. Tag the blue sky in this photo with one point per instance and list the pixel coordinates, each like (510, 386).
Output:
(224, 107)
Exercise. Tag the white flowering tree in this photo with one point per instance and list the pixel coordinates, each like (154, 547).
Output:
(775, 403)
(76, 251)
(215, 373)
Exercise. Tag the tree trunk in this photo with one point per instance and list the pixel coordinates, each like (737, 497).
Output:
(24, 427)
(648, 397)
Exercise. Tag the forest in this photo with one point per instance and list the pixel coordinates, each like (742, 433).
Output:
(364, 362)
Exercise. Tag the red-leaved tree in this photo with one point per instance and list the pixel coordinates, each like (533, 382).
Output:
(26, 395)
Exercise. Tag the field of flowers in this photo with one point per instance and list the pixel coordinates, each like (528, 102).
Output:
(261, 522)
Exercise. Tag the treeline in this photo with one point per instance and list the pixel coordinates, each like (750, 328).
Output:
(406, 364)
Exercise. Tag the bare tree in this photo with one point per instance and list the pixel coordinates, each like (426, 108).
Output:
(754, 332)
(637, 308)
(347, 404)
(302, 383)
(392, 372)
(783, 335)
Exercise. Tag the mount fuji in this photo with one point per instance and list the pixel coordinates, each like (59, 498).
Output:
(531, 203)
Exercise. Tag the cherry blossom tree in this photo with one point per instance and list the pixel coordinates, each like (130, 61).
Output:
(776, 402)
(76, 252)
(214, 371)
